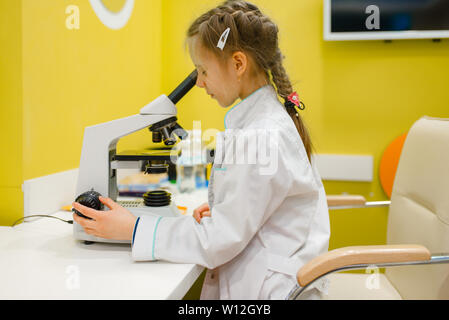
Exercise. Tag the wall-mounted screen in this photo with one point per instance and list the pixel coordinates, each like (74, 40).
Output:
(385, 19)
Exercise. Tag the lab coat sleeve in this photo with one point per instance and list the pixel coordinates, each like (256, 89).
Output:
(246, 195)
(143, 242)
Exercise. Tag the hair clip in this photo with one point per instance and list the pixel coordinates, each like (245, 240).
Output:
(223, 38)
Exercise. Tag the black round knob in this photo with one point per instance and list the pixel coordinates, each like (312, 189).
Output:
(89, 199)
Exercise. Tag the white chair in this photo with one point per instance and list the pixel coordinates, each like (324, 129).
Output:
(417, 247)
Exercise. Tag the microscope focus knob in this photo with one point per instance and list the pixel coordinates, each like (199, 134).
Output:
(89, 199)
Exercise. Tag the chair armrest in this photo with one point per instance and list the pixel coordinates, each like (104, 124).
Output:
(347, 256)
(353, 202)
(345, 200)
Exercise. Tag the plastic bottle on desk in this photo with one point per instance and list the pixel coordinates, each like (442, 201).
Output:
(186, 178)
(191, 163)
(185, 175)
(200, 176)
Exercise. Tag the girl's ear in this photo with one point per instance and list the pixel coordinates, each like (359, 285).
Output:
(239, 63)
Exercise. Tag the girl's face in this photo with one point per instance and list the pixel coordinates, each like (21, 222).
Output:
(221, 80)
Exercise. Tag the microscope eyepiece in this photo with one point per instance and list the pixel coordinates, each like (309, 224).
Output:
(184, 87)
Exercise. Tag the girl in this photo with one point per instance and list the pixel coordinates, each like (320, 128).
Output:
(264, 219)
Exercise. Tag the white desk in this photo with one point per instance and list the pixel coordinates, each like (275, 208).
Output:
(41, 260)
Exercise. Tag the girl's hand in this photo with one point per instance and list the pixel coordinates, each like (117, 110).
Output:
(202, 211)
(117, 223)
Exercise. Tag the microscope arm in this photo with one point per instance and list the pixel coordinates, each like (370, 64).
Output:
(100, 143)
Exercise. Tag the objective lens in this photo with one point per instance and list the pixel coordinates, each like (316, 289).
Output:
(157, 137)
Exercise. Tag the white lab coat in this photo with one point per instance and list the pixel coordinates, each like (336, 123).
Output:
(268, 219)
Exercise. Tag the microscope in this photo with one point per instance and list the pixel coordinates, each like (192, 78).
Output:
(100, 161)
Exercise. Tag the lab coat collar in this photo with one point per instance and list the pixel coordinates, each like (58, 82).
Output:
(238, 116)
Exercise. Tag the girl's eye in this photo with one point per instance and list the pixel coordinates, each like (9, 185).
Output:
(204, 73)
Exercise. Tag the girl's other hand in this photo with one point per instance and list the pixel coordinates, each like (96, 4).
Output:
(202, 211)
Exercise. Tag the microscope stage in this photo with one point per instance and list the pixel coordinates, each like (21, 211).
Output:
(165, 154)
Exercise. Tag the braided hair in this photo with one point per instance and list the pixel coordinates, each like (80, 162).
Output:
(255, 34)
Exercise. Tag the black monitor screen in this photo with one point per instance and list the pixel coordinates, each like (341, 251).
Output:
(389, 15)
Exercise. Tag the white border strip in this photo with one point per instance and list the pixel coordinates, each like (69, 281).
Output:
(110, 19)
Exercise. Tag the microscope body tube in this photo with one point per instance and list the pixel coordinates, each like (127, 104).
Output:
(184, 87)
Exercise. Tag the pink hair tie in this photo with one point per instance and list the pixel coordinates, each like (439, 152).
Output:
(293, 101)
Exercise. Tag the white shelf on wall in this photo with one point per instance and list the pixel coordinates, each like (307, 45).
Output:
(345, 167)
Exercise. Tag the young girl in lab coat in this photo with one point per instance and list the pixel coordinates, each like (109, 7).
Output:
(266, 216)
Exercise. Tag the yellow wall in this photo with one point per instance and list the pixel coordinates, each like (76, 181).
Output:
(11, 197)
(54, 82)
(359, 95)
(76, 78)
